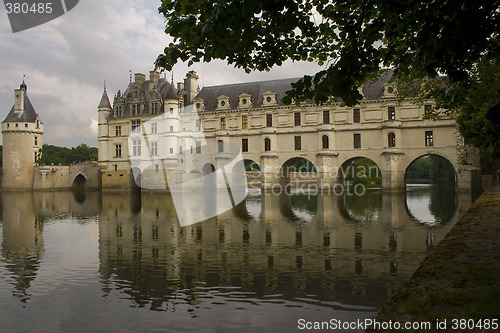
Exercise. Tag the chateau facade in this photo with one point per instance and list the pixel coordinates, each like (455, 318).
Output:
(174, 124)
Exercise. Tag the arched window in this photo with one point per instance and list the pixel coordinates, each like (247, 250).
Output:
(267, 144)
(220, 146)
(391, 139)
(325, 142)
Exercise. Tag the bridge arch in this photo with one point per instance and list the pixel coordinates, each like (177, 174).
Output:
(428, 165)
(251, 165)
(136, 176)
(360, 169)
(207, 168)
(299, 168)
(79, 182)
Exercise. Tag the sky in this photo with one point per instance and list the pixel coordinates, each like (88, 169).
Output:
(66, 62)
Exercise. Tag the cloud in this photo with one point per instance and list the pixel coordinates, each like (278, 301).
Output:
(67, 60)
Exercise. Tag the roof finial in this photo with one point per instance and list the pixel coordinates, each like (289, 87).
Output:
(172, 76)
(130, 71)
(23, 85)
(104, 85)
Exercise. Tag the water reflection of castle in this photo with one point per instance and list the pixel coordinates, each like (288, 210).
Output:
(326, 250)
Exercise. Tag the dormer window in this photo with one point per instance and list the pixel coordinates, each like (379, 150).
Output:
(223, 102)
(389, 90)
(199, 104)
(244, 100)
(269, 98)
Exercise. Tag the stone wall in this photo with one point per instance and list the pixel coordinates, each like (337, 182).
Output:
(49, 177)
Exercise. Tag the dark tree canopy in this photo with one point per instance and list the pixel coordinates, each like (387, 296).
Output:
(66, 156)
(352, 39)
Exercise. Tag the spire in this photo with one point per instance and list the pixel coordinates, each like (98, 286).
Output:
(104, 99)
(171, 94)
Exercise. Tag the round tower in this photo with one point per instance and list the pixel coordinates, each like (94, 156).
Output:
(22, 133)
(104, 110)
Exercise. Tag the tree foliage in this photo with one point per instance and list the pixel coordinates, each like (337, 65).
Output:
(431, 168)
(352, 39)
(66, 156)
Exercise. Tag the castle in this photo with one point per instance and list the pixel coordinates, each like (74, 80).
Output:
(155, 129)
(22, 133)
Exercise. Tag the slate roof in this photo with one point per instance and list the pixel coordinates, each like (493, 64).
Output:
(254, 89)
(372, 91)
(104, 101)
(28, 116)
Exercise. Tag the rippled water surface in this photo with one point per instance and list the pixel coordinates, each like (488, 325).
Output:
(120, 262)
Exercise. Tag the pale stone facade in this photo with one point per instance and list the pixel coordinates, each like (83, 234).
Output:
(252, 117)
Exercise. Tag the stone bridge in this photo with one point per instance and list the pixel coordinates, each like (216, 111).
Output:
(78, 176)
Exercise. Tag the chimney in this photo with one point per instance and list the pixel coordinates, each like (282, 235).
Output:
(19, 99)
(139, 78)
(191, 86)
(154, 76)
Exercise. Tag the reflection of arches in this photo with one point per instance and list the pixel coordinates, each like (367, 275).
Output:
(391, 139)
(360, 208)
(430, 168)
(431, 205)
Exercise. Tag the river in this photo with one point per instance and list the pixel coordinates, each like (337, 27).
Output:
(102, 262)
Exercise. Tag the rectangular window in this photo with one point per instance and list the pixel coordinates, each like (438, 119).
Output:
(198, 147)
(222, 123)
(198, 125)
(171, 111)
(296, 116)
(154, 128)
(427, 110)
(118, 130)
(180, 150)
(269, 120)
(244, 122)
(136, 147)
(118, 150)
(154, 107)
(36, 141)
(136, 126)
(357, 140)
(171, 150)
(326, 116)
(298, 143)
(356, 116)
(429, 139)
(154, 148)
(391, 113)
(171, 129)
(244, 145)
(136, 109)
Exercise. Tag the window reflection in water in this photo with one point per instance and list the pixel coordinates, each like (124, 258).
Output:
(324, 252)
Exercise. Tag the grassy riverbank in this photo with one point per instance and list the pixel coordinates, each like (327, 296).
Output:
(460, 279)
